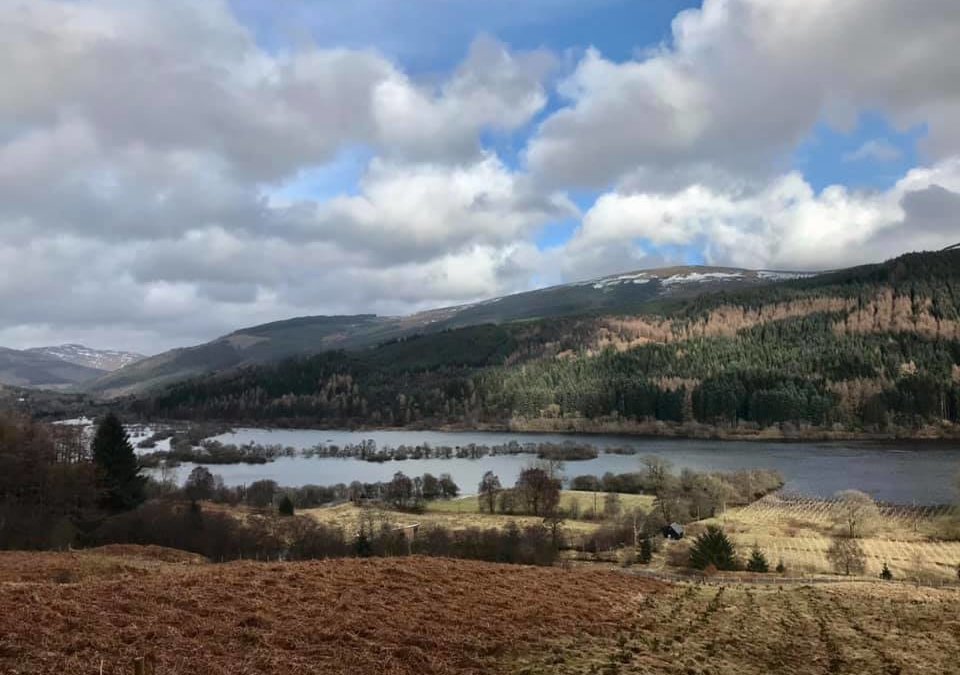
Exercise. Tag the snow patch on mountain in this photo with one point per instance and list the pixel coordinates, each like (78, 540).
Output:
(700, 277)
(103, 359)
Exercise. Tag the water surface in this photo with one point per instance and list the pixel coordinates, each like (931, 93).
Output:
(904, 472)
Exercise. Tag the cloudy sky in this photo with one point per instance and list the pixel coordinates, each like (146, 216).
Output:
(170, 171)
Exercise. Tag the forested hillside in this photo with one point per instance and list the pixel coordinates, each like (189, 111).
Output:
(869, 349)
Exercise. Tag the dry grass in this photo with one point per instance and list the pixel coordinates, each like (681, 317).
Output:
(735, 630)
(74, 566)
(799, 532)
(435, 616)
(397, 616)
(463, 513)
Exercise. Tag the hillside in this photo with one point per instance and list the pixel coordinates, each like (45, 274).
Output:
(37, 369)
(616, 294)
(872, 349)
(100, 610)
(100, 359)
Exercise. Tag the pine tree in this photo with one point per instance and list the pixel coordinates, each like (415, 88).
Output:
(646, 551)
(885, 573)
(758, 561)
(286, 506)
(713, 547)
(118, 470)
(362, 546)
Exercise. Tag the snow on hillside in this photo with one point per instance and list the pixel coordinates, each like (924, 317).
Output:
(104, 359)
(700, 277)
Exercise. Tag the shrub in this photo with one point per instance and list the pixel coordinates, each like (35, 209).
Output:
(758, 561)
(286, 506)
(713, 547)
(885, 573)
(646, 551)
(781, 568)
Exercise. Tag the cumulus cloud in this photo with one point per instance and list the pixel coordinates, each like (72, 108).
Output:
(744, 80)
(783, 225)
(144, 145)
(148, 152)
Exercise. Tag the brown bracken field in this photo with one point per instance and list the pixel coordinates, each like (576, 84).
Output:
(100, 610)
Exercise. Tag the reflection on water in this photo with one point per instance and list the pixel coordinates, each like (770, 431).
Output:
(904, 472)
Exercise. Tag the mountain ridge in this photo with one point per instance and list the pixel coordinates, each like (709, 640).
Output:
(625, 292)
(862, 352)
(81, 355)
(36, 369)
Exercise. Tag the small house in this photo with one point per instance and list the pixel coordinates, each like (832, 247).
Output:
(673, 531)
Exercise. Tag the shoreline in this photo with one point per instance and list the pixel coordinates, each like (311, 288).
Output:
(634, 430)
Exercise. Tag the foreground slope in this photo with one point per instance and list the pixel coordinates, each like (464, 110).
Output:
(98, 611)
(617, 294)
(346, 616)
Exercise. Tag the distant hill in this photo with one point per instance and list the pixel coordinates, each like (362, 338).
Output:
(101, 359)
(616, 294)
(37, 369)
(867, 350)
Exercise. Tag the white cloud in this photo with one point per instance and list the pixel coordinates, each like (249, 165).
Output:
(785, 224)
(744, 80)
(149, 153)
(875, 150)
(141, 143)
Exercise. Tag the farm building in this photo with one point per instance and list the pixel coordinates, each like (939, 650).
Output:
(673, 531)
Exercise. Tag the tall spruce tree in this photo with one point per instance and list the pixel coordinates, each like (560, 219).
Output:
(118, 470)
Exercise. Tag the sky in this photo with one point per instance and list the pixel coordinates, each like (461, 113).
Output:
(172, 171)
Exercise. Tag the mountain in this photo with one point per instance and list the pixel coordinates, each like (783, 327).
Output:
(616, 294)
(37, 369)
(100, 359)
(872, 349)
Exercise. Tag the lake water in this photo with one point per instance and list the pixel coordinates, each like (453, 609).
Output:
(904, 472)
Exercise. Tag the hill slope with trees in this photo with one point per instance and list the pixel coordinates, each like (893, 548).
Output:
(874, 349)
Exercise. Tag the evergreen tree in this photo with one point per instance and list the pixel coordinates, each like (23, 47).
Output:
(646, 551)
(118, 470)
(286, 506)
(758, 561)
(362, 546)
(713, 547)
(885, 573)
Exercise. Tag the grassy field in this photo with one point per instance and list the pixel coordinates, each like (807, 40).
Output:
(799, 532)
(465, 512)
(405, 616)
(742, 630)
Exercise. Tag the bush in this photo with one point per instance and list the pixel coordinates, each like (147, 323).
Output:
(885, 573)
(757, 562)
(781, 568)
(646, 551)
(713, 547)
(286, 506)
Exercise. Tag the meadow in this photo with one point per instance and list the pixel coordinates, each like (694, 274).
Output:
(464, 512)
(915, 542)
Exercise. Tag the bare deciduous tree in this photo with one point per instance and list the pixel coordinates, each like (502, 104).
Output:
(856, 513)
(847, 556)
